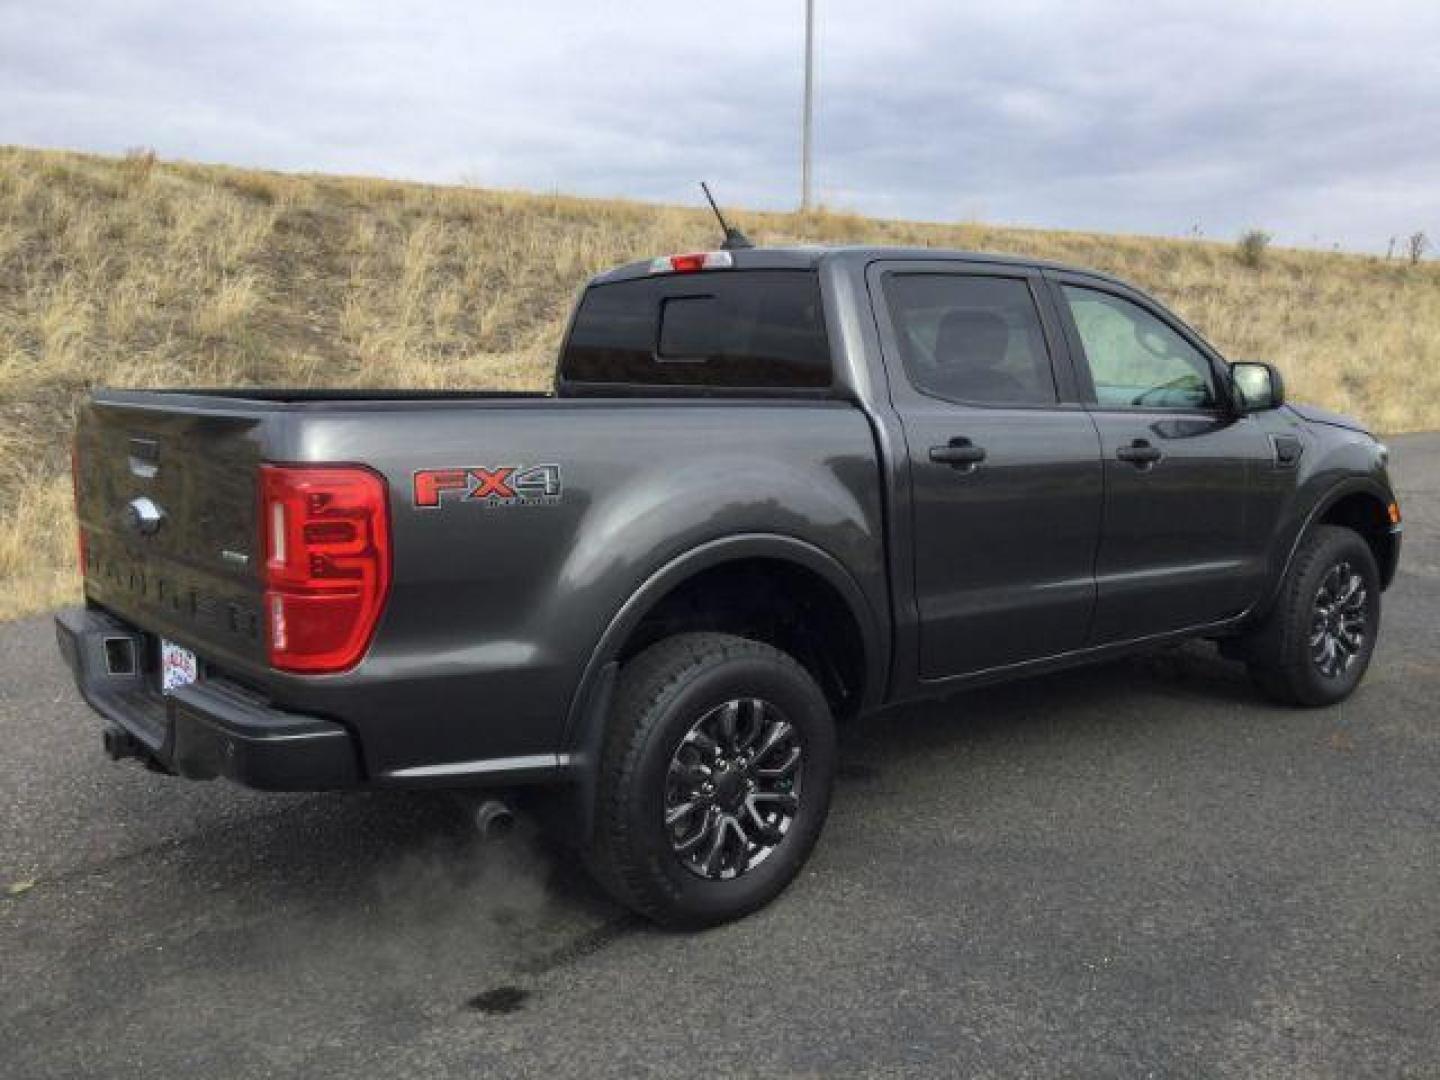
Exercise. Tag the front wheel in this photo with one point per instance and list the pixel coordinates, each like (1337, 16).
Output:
(714, 779)
(1314, 648)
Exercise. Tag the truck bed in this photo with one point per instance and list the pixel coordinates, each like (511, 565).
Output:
(493, 603)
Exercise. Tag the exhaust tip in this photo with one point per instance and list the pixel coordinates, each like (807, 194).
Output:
(494, 819)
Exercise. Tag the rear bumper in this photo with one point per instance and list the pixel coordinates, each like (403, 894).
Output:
(211, 728)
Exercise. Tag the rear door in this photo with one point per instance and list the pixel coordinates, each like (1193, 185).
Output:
(1004, 464)
(1180, 466)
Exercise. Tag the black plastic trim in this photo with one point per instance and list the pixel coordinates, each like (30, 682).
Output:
(207, 729)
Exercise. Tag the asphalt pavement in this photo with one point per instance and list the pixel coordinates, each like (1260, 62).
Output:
(1133, 870)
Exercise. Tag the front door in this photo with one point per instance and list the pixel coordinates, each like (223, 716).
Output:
(1005, 472)
(1180, 467)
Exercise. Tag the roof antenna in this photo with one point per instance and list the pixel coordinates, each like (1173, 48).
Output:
(734, 238)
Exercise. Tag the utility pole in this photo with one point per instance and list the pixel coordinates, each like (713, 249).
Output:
(807, 123)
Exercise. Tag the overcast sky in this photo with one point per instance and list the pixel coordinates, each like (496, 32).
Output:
(1317, 121)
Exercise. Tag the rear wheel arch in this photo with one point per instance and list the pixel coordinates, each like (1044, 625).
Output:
(840, 644)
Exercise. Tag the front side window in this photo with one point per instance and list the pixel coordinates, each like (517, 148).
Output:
(1136, 360)
(971, 339)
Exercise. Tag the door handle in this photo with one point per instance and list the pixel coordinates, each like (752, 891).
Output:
(1139, 453)
(960, 453)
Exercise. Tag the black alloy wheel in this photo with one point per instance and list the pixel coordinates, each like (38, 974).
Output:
(733, 788)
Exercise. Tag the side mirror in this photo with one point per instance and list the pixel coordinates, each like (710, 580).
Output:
(1257, 386)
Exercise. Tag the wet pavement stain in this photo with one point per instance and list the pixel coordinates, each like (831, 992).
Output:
(500, 1001)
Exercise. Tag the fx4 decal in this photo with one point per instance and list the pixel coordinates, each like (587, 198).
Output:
(502, 485)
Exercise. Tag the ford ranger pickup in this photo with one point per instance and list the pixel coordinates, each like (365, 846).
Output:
(771, 490)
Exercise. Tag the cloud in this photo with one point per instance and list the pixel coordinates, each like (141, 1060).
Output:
(1309, 120)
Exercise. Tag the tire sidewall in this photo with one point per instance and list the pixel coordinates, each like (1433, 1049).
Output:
(790, 690)
(1338, 545)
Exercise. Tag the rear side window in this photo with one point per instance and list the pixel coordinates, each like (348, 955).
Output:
(735, 329)
(970, 338)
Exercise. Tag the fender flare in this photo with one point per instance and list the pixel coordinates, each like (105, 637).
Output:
(1355, 485)
(589, 705)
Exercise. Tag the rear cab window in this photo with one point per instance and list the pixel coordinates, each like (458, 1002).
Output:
(723, 329)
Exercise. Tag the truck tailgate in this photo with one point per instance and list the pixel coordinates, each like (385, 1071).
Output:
(166, 497)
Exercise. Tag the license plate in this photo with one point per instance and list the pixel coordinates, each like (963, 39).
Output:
(178, 666)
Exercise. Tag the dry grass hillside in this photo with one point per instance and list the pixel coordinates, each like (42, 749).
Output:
(133, 272)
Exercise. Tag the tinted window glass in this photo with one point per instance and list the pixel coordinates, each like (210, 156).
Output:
(750, 328)
(1134, 358)
(967, 338)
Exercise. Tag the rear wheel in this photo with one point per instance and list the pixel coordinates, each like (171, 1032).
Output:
(714, 780)
(1315, 647)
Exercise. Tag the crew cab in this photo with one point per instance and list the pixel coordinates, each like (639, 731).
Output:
(772, 489)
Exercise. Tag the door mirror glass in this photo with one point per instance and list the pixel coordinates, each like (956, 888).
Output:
(1257, 386)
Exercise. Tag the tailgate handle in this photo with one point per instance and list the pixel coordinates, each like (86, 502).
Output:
(144, 458)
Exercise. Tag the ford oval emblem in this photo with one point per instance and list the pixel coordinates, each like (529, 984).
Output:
(144, 516)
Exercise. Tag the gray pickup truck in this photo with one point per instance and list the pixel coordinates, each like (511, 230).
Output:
(772, 489)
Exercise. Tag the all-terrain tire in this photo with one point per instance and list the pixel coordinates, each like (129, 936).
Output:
(1286, 651)
(662, 695)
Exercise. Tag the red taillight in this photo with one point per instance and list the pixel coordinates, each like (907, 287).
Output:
(325, 532)
(75, 493)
